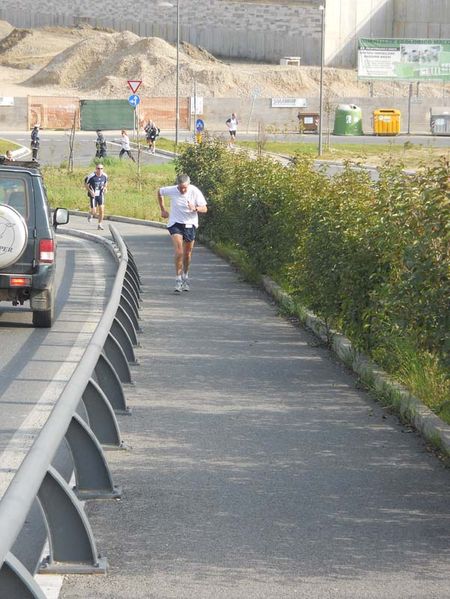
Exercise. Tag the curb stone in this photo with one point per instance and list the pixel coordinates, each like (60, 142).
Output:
(410, 409)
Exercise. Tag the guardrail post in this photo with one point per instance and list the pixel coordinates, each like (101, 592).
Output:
(132, 263)
(101, 417)
(127, 323)
(110, 383)
(129, 287)
(132, 269)
(117, 357)
(133, 283)
(130, 311)
(132, 299)
(72, 544)
(94, 480)
(16, 581)
(120, 334)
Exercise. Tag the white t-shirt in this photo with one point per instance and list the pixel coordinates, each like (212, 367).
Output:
(125, 143)
(232, 124)
(179, 211)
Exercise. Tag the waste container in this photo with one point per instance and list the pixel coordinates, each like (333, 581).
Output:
(386, 121)
(440, 121)
(308, 122)
(348, 120)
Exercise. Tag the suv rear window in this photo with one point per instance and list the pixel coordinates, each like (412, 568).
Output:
(13, 191)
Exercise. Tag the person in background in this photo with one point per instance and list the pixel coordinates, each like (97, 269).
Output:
(9, 156)
(35, 142)
(186, 201)
(96, 184)
(100, 145)
(232, 124)
(151, 133)
(126, 149)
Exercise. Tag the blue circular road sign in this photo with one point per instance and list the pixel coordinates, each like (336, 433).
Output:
(134, 100)
(199, 125)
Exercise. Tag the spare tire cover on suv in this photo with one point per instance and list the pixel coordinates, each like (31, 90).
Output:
(13, 235)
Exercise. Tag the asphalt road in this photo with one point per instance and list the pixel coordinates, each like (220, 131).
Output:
(54, 148)
(55, 144)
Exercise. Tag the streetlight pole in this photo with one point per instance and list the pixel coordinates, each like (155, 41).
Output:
(164, 4)
(177, 84)
(322, 8)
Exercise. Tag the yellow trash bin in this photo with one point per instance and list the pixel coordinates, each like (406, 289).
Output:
(386, 121)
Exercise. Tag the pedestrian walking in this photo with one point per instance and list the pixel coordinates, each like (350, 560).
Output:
(100, 145)
(126, 149)
(35, 142)
(151, 133)
(96, 184)
(232, 124)
(186, 201)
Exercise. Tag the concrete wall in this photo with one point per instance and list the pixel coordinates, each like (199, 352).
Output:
(281, 120)
(256, 30)
(422, 19)
(15, 117)
(347, 20)
(263, 30)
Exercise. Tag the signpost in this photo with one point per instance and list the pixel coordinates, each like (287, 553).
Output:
(134, 85)
(134, 100)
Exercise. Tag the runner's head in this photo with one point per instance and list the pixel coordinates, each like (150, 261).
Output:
(183, 182)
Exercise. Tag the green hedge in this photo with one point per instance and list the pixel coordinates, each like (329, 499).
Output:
(372, 259)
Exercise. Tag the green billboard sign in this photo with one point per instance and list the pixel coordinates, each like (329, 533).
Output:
(404, 59)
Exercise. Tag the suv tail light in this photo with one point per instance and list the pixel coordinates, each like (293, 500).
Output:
(46, 250)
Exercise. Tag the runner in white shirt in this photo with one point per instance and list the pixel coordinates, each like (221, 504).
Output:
(186, 201)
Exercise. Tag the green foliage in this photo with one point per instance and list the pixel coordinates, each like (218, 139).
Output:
(129, 194)
(7, 145)
(372, 259)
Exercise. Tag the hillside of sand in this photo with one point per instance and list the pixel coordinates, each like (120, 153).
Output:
(92, 63)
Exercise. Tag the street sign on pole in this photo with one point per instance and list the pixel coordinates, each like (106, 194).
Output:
(134, 100)
(134, 85)
(199, 125)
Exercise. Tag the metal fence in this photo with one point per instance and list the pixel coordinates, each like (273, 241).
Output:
(97, 384)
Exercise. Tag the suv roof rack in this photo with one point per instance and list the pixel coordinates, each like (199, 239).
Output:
(23, 163)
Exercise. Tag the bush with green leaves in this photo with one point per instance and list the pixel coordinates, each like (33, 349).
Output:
(372, 259)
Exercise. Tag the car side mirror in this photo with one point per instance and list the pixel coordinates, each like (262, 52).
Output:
(60, 217)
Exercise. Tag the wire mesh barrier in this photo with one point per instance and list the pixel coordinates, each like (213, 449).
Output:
(97, 387)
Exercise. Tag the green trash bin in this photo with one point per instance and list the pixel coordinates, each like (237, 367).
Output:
(348, 120)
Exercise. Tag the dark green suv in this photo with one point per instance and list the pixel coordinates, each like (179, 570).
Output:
(27, 241)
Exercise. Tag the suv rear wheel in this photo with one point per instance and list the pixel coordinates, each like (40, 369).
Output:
(43, 319)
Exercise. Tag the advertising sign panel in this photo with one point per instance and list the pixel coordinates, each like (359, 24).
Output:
(404, 59)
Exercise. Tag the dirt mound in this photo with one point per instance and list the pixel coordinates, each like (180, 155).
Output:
(103, 64)
(95, 63)
(31, 48)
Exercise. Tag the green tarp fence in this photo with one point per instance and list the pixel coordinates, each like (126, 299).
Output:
(106, 114)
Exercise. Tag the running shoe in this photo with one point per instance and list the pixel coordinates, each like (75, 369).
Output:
(185, 285)
(100, 227)
(178, 286)
(90, 218)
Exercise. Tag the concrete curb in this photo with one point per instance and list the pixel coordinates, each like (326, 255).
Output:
(410, 409)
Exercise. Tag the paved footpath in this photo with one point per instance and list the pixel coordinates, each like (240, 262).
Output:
(258, 468)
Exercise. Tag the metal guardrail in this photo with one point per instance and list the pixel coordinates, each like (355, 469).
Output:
(98, 383)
